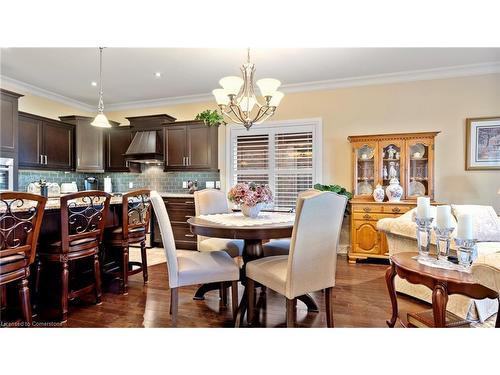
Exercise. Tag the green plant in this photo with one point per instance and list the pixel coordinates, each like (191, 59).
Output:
(210, 118)
(336, 189)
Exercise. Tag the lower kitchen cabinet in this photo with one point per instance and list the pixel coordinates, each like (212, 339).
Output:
(45, 143)
(179, 211)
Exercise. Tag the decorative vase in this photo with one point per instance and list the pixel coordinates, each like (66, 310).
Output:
(394, 191)
(378, 194)
(252, 211)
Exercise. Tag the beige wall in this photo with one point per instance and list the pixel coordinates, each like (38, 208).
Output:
(404, 107)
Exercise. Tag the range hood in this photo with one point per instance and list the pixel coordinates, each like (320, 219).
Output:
(146, 147)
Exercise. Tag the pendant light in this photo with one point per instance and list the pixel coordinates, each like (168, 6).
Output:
(100, 120)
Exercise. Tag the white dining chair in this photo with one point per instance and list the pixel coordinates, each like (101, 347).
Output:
(311, 263)
(210, 202)
(192, 267)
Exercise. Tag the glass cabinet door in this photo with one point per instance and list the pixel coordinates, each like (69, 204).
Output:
(365, 168)
(392, 162)
(420, 156)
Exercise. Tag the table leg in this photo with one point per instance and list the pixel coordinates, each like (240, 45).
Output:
(390, 274)
(439, 301)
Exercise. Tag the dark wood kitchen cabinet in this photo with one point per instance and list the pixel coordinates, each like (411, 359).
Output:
(190, 146)
(116, 142)
(8, 123)
(89, 147)
(45, 143)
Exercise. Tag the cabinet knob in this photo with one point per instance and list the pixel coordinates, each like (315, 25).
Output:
(396, 209)
(367, 209)
(366, 216)
(189, 235)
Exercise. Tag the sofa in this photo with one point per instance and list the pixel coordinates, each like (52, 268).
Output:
(401, 237)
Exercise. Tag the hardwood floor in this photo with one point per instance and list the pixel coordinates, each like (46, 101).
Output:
(360, 300)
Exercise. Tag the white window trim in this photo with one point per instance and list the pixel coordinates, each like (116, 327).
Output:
(315, 123)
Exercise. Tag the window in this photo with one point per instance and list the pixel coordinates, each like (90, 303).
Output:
(285, 155)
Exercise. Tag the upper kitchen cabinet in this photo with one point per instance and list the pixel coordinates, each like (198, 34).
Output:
(190, 146)
(116, 142)
(45, 143)
(8, 123)
(89, 143)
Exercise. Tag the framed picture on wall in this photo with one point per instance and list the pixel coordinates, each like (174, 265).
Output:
(483, 143)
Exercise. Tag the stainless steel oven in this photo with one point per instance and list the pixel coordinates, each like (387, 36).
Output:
(6, 174)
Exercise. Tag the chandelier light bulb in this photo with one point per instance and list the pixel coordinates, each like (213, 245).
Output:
(247, 103)
(276, 99)
(268, 86)
(221, 96)
(232, 84)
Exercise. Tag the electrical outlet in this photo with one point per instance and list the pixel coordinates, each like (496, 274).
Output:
(209, 184)
(217, 184)
(130, 185)
(184, 184)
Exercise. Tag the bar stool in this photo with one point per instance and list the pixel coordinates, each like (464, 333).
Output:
(20, 221)
(83, 216)
(136, 210)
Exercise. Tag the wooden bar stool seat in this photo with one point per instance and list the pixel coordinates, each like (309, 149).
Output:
(20, 221)
(83, 216)
(136, 211)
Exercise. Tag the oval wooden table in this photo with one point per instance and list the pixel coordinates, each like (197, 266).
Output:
(252, 235)
(442, 282)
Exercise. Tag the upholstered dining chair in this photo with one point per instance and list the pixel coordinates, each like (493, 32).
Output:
(210, 202)
(20, 222)
(311, 263)
(192, 267)
(136, 211)
(83, 217)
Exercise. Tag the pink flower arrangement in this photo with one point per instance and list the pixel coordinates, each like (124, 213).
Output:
(250, 194)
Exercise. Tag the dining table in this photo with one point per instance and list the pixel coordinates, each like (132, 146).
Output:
(253, 232)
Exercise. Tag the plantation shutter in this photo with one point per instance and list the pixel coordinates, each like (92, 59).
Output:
(251, 159)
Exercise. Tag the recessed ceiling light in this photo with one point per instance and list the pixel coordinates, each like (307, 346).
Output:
(157, 74)
(93, 83)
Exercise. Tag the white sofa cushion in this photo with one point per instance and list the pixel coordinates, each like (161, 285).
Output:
(486, 224)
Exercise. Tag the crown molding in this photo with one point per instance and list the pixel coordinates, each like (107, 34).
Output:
(38, 91)
(378, 79)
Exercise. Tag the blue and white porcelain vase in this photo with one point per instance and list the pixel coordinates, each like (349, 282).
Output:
(394, 191)
(378, 194)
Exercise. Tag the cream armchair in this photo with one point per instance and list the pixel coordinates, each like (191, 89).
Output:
(311, 263)
(488, 276)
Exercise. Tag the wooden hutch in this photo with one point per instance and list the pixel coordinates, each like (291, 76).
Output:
(410, 156)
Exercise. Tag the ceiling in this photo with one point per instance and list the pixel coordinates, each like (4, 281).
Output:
(128, 73)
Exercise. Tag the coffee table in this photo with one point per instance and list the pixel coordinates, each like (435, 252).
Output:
(442, 283)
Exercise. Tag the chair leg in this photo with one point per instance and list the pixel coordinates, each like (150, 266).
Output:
(37, 283)
(97, 279)
(250, 287)
(234, 298)
(329, 307)
(174, 305)
(223, 294)
(144, 261)
(65, 290)
(24, 296)
(291, 312)
(125, 270)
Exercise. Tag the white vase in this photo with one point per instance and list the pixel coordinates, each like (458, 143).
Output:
(378, 194)
(252, 211)
(394, 191)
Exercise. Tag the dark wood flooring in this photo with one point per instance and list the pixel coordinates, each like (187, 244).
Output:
(360, 300)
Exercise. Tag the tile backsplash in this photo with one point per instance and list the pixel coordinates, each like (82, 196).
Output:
(152, 177)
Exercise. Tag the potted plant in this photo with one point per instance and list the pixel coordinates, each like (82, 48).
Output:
(336, 189)
(210, 118)
(251, 197)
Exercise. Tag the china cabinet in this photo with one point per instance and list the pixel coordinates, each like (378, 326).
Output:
(385, 159)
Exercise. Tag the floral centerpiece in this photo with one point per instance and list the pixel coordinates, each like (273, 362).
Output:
(251, 197)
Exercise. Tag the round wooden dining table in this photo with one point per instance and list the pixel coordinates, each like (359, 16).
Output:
(253, 236)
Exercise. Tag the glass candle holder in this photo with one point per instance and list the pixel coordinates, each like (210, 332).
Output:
(466, 251)
(443, 236)
(424, 235)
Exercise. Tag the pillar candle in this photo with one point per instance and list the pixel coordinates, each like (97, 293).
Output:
(464, 229)
(443, 217)
(423, 207)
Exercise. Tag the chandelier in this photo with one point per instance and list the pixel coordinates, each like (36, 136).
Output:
(236, 99)
(100, 121)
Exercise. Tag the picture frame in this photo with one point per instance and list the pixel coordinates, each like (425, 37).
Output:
(482, 143)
